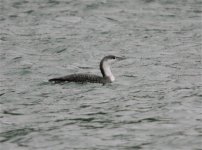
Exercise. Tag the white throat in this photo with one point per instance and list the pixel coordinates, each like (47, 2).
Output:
(108, 72)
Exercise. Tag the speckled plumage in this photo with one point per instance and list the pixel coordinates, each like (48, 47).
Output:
(81, 78)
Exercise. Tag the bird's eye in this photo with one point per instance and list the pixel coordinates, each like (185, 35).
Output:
(114, 57)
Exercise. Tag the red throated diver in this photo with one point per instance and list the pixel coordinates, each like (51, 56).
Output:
(107, 76)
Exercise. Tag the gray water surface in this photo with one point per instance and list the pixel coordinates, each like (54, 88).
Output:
(155, 102)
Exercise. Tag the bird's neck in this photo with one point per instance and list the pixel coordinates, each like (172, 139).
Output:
(106, 71)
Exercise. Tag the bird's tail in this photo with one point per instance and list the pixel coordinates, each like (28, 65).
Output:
(56, 80)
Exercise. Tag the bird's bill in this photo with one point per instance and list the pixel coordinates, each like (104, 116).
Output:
(120, 58)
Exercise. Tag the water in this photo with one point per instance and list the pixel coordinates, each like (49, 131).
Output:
(155, 102)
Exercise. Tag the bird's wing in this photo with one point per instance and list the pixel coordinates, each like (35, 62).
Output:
(80, 78)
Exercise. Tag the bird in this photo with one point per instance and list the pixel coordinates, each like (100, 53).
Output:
(107, 76)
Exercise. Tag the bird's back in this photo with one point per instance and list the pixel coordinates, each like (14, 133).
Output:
(82, 78)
